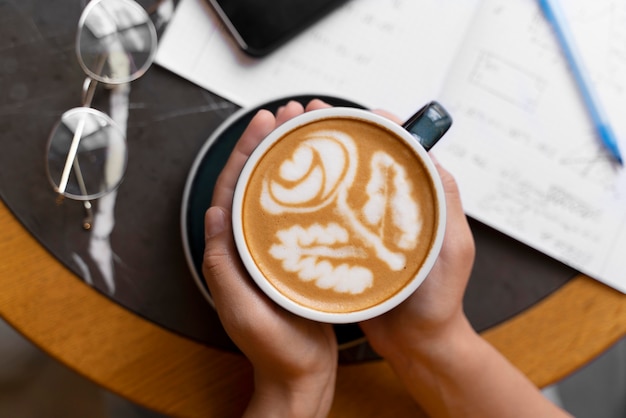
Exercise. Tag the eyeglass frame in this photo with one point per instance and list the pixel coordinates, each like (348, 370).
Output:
(89, 87)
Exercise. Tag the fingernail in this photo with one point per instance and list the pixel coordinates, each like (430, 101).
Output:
(215, 222)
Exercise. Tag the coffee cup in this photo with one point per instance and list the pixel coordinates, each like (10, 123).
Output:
(339, 213)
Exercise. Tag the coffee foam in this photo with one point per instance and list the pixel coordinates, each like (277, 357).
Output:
(318, 168)
(340, 216)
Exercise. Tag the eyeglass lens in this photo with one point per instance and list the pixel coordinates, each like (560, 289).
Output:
(116, 41)
(101, 156)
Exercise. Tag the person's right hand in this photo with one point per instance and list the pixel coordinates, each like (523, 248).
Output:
(435, 311)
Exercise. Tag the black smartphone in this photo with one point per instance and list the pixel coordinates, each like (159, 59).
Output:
(261, 26)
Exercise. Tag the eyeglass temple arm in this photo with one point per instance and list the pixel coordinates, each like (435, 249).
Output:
(71, 155)
(89, 87)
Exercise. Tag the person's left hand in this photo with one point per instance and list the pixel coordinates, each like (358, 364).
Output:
(294, 359)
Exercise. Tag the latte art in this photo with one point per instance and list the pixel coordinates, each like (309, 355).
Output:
(404, 210)
(339, 214)
(315, 254)
(319, 167)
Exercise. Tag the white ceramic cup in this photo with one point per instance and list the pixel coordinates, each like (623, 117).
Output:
(306, 311)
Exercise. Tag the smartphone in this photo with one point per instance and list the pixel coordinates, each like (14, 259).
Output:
(261, 26)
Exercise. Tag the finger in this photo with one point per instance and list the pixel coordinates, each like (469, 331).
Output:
(316, 104)
(388, 115)
(260, 125)
(223, 272)
(450, 188)
(457, 226)
(217, 249)
(290, 110)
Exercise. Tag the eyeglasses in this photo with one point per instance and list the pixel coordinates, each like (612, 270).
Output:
(87, 152)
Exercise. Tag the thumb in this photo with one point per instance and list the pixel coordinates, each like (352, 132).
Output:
(218, 263)
(224, 273)
(214, 223)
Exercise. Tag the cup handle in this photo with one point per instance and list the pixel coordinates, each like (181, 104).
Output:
(429, 124)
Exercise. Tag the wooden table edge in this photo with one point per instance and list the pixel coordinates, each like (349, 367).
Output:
(125, 353)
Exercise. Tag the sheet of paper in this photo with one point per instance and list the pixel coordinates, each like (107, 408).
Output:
(390, 54)
(523, 147)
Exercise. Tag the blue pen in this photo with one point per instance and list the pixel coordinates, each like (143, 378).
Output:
(554, 14)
